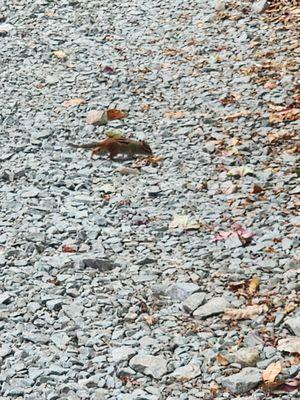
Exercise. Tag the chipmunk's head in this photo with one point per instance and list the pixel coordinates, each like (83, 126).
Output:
(146, 148)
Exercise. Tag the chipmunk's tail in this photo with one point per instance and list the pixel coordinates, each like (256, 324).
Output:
(84, 146)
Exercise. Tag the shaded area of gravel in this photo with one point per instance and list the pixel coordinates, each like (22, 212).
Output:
(138, 311)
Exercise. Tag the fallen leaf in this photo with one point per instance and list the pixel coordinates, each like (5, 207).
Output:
(67, 248)
(249, 312)
(240, 171)
(254, 285)
(113, 113)
(146, 107)
(238, 231)
(288, 114)
(174, 114)
(151, 319)
(270, 85)
(257, 189)
(115, 134)
(108, 70)
(289, 345)
(185, 222)
(230, 99)
(243, 113)
(279, 386)
(73, 102)
(222, 359)
(271, 372)
(60, 54)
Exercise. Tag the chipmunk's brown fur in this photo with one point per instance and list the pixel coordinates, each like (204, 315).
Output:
(117, 146)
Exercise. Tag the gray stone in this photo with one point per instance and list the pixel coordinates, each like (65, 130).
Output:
(54, 304)
(214, 306)
(187, 372)
(122, 353)
(5, 350)
(60, 339)
(194, 301)
(36, 338)
(181, 291)
(259, 6)
(155, 366)
(99, 264)
(248, 356)
(5, 298)
(243, 381)
(293, 324)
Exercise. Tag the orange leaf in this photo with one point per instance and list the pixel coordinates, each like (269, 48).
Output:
(254, 285)
(174, 114)
(113, 113)
(270, 373)
(243, 113)
(73, 102)
(270, 85)
(222, 359)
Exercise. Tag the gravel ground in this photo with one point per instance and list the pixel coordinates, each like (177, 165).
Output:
(106, 293)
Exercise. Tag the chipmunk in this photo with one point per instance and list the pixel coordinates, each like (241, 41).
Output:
(116, 146)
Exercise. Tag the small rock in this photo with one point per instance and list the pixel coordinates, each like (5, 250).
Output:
(122, 353)
(96, 118)
(181, 291)
(54, 304)
(5, 298)
(194, 301)
(212, 307)
(259, 6)
(36, 338)
(98, 263)
(155, 366)
(289, 345)
(56, 370)
(293, 324)
(248, 356)
(243, 381)
(5, 350)
(187, 372)
(60, 339)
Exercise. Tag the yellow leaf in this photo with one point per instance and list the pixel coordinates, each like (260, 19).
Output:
(60, 54)
(73, 102)
(270, 373)
(254, 285)
(115, 134)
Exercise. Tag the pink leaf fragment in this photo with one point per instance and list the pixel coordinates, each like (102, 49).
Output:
(238, 231)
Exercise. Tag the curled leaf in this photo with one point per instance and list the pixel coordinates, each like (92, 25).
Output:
(73, 102)
(185, 222)
(113, 113)
(254, 285)
(270, 373)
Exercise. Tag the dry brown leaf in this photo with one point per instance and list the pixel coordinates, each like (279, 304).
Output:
(243, 113)
(174, 114)
(288, 114)
(249, 312)
(270, 85)
(254, 285)
(271, 372)
(222, 359)
(73, 102)
(61, 55)
(113, 114)
(151, 319)
(257, 189)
